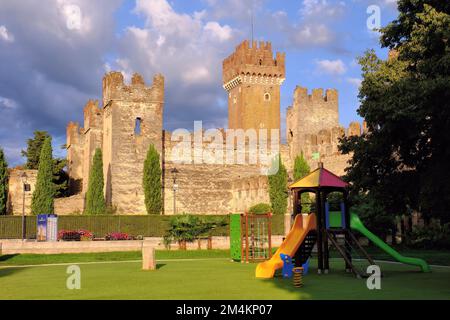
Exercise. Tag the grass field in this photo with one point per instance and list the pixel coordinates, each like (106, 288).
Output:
(200, 275)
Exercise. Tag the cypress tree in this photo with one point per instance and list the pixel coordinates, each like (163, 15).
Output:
(278, 192)
(152, 182)
(301, 170)
(3, 182)
(42, 201)
(95, 198)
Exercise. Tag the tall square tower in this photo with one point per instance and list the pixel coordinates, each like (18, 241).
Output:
(252, 77)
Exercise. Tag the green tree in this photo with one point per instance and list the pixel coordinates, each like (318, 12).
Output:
(60, 176)
(43, 195)
(403, 162)
(95, 199)
(278, 191)
(3, 182)
(34, 146)
(152, 181)
(301, 170)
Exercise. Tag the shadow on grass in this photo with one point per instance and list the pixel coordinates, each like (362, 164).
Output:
(4, 272)
(287, 284)
(6, 257)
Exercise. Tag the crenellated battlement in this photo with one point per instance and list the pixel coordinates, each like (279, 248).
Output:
(301, 97)
(73, 133)
(93, 115)
(254, 61)
(115, 88)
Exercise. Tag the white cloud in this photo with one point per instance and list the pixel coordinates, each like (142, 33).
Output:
(188, 49)
(196, 75)
(313, 34)
(333, 67)
(5, 35)
(355, 82)
(321, 8)
(217, 31)
(7, 103)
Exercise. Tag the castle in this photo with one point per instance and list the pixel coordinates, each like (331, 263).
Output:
(130, 118)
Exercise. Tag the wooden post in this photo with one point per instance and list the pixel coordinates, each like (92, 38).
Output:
(210, 243)
(348, 248)
(319, 233)
(148, 256)
(269, 233)
(246, 238)
(325, 235)
(242, 239)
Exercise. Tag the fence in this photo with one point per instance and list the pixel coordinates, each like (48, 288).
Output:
(101, 225)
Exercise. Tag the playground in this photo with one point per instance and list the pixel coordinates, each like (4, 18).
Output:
(202, 275)
(320, 258)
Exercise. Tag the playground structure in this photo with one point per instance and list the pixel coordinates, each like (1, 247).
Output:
(250, 237)
(325, 227)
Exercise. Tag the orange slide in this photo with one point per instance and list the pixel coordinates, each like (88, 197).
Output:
(302, 225)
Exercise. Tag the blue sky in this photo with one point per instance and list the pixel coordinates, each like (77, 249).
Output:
(53, 63)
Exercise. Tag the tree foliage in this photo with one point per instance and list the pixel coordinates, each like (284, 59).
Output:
(278, 191)
(152, 182)
(44, 193)
(60, 176)
(403, 162)
(34, 146)
(95, 199)
(3, 183)
(260, 208)
(301, 170)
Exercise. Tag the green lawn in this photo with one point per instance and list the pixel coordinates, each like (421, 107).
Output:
(212, 276)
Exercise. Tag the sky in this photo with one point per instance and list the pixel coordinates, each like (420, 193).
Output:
(54, 53)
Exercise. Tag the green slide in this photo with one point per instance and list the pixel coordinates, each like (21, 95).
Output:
(357, 224)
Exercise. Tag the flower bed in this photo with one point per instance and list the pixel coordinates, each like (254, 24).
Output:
(75, 235)
(118, 236)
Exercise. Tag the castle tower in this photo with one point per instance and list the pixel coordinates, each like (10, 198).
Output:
(310, 114)
(252, 78)
(132, 121)
(93, 137)
(75, 147)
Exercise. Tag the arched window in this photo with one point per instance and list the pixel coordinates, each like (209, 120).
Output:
(137, 126)
(267, 96)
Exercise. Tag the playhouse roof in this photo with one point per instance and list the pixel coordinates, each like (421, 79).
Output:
(320, 177)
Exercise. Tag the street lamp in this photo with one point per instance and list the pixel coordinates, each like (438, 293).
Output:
(174, 173)
(25, 188)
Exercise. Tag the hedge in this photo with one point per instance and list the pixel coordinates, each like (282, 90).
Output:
(100, 225)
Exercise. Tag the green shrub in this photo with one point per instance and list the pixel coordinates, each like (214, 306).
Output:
(95, 198)
(152, 182)
(3, 182)
(261, 208)
(43, 195)
(301, 170)
(187, 228)
(278, 190)
(432, 236)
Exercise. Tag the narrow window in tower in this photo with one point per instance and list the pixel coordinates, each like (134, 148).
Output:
(137, 126)
(267, 96)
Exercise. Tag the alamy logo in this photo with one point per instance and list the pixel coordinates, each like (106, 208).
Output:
(374, 280)
(74, 279)
(374, 19)
(227, 147)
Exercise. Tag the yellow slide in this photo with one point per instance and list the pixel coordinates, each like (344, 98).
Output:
(302, 225)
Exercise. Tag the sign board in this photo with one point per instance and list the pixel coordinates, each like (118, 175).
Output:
(47, 227)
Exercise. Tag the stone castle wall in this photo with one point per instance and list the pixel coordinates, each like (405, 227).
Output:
(130, 119)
